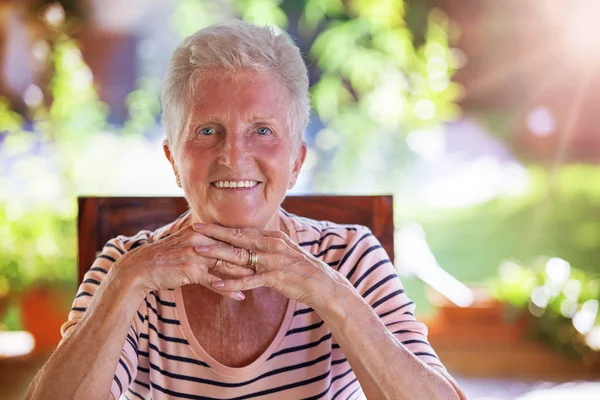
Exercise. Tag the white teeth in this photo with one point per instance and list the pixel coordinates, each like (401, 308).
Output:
(235, 184)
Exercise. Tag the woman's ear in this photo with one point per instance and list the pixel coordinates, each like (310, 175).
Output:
(298, 162)
(171, 159)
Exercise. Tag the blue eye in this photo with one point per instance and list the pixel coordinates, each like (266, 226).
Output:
(207, 131)
(263, 130)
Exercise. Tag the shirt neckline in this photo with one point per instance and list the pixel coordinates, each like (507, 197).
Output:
(261, 360)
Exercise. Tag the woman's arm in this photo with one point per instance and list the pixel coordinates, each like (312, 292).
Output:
(384, 367)
(387, 365)
(84, 365)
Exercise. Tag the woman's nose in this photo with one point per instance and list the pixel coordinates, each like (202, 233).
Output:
(234, 149)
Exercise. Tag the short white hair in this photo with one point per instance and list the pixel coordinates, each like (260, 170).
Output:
(229, 47)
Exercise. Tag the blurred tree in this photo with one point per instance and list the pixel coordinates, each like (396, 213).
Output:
(374, 85)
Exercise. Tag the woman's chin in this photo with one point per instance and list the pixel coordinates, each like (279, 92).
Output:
(238, 219)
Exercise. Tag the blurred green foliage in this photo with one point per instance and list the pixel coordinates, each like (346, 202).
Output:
(559, 216)
(375, 85)
(563, 311)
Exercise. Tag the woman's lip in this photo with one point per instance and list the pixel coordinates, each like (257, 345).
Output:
(237, 188)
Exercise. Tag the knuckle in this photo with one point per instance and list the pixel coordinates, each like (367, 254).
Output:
(278, 275)
(240, 253)
(279, 235)
(279, 244)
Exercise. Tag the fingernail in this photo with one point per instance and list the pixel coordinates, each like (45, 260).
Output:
(198, 225)
(218, 284)
(240, 296)
(202, 249)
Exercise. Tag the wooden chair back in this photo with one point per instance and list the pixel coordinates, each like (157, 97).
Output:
(103, 218)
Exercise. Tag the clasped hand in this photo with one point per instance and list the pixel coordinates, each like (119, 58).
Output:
(281, 263)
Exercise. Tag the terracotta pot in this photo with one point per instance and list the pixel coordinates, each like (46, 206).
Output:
(485, 321)
(43, 310)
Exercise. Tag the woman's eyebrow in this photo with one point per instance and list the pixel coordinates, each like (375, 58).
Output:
(202, 118)
(258, 117)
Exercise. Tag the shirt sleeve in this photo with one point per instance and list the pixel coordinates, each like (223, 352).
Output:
(128, 361)
(367, 266)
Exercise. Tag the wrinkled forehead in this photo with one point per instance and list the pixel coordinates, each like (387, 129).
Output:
(247, 96)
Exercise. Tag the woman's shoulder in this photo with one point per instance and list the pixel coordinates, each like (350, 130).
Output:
(144, 236)
(321, 232)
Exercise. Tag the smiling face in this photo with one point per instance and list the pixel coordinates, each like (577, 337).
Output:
(236, 156)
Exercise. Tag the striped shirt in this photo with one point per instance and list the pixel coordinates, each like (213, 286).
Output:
(162, 359)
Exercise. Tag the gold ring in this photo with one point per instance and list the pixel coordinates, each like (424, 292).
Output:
(218, 265)
(252, 259)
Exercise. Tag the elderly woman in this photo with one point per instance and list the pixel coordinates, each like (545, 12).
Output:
(238, 298)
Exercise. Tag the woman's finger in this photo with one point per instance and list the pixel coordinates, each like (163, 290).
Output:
(228, 268)
(232, 255)
(210, 280)
(247, 283)
(245, 238)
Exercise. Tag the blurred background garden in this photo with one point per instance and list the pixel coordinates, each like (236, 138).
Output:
(479, 116)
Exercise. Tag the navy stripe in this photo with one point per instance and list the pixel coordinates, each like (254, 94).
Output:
(340, 361)
(142, 384)
(378, 284)
(354, 391)
(302, 347)
(114, 247)
(363, 255)
(165, 338)
(405, 342)
(303, 244)
(83, 294)
(340, 226)
(132, 343)
(349, 253)
(240, 384)
(126, 370)
(344, 388)
(144, 370)
(160, 317)
(129, 239)
(89, 280)
(386, 298)
(163, 302)
(162, 336)
(323, 393)
(118, 383)
(305, 328)
(136, 394)
(422, 353)
(332, 247)
(107, 257)
(303, 311)
(82, 309)
(406, 331)
(385, 314)
(99, 269)
(172, 357)
(142, 318)
(138, 243)
(248, 396)
(373, 268)
(340, 376)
